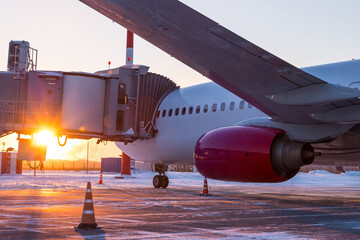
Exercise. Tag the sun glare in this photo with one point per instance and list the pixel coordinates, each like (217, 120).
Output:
(44, 137)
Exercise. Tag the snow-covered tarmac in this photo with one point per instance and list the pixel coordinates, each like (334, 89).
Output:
(318, 205)
(64, 180)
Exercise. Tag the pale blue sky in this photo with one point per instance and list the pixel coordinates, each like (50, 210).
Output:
(71, 36)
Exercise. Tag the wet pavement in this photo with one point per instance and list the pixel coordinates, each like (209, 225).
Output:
(238, 212)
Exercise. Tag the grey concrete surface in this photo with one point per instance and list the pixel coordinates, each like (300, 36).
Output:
(260, 212)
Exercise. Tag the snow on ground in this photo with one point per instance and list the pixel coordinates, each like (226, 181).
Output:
(225, 234)
(68, 179)
(62, 180)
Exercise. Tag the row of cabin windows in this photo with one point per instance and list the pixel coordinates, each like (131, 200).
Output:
(197, 109)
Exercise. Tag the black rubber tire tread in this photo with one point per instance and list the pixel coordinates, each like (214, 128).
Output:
(165, 181)
(157, 181)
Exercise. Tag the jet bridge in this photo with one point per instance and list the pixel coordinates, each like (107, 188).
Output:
(114, 105)
(133, 96)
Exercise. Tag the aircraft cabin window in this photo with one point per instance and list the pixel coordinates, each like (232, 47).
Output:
(232, 106)
(222, 106)
(164, 113)
(241, 106)
(206, 108)
(191, 109)
(170, 112)
(214, 107)
(197, 109)
(176, 111)
(249, 105)
(183, 110)
(158, 114)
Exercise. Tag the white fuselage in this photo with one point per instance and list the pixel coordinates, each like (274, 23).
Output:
(178, 133)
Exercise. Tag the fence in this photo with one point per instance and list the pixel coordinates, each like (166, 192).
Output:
(64, 165)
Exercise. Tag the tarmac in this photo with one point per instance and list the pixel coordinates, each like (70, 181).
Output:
(240, 212)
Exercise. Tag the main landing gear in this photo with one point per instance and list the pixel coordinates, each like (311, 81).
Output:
(161, 180)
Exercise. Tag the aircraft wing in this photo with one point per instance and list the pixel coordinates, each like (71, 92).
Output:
(274, 86)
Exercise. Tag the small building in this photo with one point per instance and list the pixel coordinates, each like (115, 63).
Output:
(111, 165)
(9, 163)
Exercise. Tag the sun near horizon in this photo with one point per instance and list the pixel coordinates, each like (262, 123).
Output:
(74, 149)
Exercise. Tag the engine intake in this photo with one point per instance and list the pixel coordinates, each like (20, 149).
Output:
(250, 154)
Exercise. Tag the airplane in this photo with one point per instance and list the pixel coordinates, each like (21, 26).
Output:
(261, 118)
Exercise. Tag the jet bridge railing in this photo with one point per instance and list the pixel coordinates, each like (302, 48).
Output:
(25, 116)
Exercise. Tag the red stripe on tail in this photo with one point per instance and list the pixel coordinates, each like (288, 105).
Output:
(130, 39)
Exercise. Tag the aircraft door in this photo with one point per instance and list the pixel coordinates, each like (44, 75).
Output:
(355, 85)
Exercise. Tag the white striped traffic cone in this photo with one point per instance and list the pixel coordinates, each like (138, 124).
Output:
(101, 179)
(88, 216)
(205, 189)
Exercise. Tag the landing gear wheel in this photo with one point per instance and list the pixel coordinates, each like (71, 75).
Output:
(157, 181)
(165, 181)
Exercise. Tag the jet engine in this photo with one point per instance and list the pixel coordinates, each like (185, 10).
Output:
(250, 154)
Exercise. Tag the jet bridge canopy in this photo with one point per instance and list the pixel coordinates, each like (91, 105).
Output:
(138, 94)
(116, 105)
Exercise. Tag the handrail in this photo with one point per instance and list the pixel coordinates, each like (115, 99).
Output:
(19, 115)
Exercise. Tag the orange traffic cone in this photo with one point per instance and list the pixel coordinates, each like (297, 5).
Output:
(205, 189)
(100, 180)
(88, 216)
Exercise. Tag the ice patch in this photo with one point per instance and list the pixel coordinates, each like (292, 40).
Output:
(223, 233)
(259, 203)
(355, 225)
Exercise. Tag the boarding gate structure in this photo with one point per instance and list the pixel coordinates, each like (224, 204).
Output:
(117, 104)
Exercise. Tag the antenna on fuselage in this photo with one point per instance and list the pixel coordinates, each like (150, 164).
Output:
(129, 48)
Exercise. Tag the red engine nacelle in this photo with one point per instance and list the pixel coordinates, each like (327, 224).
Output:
(250, 154)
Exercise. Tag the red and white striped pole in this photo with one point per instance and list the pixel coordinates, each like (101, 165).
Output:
(129, 48)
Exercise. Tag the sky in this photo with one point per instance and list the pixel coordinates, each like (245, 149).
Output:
(70, 36)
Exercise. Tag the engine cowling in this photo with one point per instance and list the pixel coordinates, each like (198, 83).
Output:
(250, 154)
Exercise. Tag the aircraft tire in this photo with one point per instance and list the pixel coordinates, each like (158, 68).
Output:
(157, 181)
(165, 181)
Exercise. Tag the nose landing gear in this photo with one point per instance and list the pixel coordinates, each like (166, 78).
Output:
(161, 180)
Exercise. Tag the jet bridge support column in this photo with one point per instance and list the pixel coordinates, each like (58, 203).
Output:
(125, 164)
